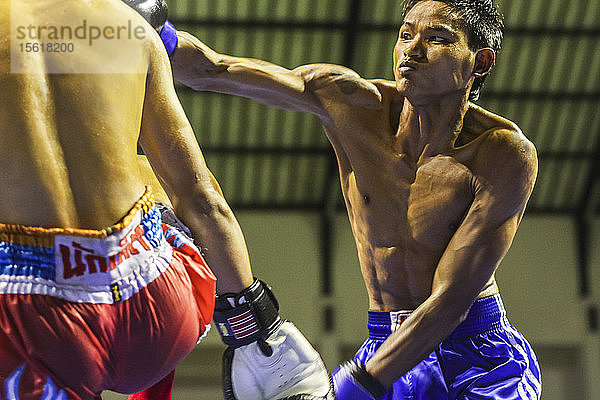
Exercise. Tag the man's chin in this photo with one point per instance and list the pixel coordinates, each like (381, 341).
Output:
(420, 95)
(402, 86)
(407, 89)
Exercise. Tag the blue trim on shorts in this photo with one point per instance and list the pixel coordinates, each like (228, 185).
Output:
(486, 314)
(24, 260)
(38, 261)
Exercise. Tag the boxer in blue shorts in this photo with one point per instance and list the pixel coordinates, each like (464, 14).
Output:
(485, 357)
(435, 187)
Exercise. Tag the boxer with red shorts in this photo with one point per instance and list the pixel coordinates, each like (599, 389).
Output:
(85, 308)
(117, 301)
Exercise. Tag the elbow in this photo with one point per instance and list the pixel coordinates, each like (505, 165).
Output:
(461, 316)
(454, 309)
(202, 202)
(454, 316)
(198, 76)
(212, 205)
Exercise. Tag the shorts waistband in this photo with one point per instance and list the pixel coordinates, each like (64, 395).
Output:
(44, 237)
(486, 314)
(83, 265)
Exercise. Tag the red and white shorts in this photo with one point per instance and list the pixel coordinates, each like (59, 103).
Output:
(82, 311)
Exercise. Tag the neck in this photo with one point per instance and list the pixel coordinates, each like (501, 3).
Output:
(428, 127)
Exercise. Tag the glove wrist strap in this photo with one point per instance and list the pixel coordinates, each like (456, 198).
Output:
(244, 317)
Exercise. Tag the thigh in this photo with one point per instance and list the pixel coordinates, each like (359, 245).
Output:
(494, 365)
(424, 382)
(158, 328)
(36, 353)
(125, 347)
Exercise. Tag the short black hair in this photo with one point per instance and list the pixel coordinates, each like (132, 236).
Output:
(483, 23)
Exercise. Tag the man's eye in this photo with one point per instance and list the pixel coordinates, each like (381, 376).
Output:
(438, 39)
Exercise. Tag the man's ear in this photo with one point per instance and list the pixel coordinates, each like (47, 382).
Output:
(484, 60)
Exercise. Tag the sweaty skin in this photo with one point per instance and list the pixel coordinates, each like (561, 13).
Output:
(74, 170)
(68, 141)
(435, 186)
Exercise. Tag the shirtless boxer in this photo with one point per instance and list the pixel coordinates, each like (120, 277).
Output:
(96, 293)
(435, 188)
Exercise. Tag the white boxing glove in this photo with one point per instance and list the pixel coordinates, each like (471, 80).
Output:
(267, 358)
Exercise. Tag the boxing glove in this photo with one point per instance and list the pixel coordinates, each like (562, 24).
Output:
(351, 381)
(155, 12)
(267, 357)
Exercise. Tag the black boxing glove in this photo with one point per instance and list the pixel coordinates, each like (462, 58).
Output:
(155, 12)
(267, 357)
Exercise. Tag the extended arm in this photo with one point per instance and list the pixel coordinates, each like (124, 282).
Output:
(471, 257)
(198, 66)
(301, 89)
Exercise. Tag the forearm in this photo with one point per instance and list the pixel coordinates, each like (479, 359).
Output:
(193, 61)
(416, 338)
(196, 64)
(216, 230)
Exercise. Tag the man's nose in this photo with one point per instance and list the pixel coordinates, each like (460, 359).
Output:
(414, 48)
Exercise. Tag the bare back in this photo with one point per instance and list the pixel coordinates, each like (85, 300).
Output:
(68, 141)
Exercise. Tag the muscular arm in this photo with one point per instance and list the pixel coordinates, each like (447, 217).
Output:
(173, 152)
(472, 255)
(198, 66)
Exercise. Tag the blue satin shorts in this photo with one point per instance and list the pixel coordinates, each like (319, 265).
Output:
(484, 358)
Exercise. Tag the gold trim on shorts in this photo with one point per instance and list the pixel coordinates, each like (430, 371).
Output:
(44, 237)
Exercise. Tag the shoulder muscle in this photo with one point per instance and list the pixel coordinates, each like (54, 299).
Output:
(340, 84)
(507, 162)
